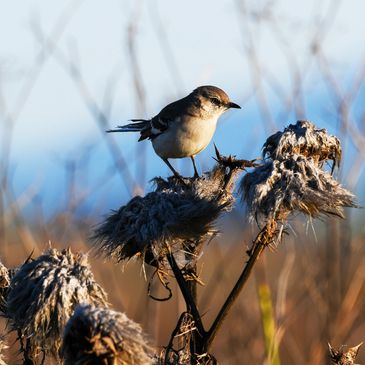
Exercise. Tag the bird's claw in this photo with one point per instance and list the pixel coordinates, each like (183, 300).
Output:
(180, 179)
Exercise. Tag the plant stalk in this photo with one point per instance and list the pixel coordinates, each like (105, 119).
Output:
(188, 297)
(259, 244)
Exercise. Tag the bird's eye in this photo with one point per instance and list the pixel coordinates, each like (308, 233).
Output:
(216, 101)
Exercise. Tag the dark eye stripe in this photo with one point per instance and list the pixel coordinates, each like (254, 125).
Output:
(215, 101)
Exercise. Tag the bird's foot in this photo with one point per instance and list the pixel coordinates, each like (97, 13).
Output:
(178, 177)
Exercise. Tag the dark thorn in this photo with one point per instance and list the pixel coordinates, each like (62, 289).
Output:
(217, 153)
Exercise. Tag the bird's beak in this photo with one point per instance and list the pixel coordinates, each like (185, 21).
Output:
(233, 105)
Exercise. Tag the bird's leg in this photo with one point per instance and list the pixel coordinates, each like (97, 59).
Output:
(171, 168)
(196, 175)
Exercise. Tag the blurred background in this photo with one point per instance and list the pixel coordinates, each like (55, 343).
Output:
(70, 70)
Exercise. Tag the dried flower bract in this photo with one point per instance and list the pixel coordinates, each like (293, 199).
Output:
(97, 336)
(44, 293)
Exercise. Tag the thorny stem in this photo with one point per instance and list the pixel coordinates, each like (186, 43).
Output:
(262, 240)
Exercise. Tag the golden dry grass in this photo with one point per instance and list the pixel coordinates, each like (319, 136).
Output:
(317, 290)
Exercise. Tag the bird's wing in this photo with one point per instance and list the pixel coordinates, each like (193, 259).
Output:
(155, 127)
(170, 114)
(150, 129)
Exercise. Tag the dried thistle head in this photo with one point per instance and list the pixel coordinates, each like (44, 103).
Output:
(297, 183)
(292, 179)
(175, 213)
(344, 356)
(44, 293)
(96, 336)
(303, 138)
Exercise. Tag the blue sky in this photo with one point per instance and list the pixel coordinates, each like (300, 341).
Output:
(208, 41)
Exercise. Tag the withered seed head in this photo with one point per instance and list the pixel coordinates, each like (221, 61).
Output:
(303, 138)
(100, 336)
(174, 214)
(279, 187)
(292, 179)
(44, 293)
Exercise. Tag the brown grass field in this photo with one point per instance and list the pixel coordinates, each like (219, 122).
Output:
(317, 290)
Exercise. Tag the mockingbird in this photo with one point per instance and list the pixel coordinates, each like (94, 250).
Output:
(184, 127)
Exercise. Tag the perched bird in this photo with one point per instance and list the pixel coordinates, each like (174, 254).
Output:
(184, 127)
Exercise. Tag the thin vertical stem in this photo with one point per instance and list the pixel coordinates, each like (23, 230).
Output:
(189, 300)
(261, 241)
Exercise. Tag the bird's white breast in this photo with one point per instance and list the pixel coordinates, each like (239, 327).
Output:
(185, 137)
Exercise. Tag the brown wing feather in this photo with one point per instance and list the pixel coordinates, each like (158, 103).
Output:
(171, 112)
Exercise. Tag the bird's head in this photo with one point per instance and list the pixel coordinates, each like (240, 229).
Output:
(213, 100)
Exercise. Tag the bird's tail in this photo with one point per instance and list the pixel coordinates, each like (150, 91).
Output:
(137, 125)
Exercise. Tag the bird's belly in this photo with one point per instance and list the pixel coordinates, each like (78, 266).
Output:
(185, 139)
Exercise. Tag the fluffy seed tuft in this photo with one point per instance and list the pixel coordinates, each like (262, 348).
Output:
(175, 214)
(303, 138)
(291, 177)
(96, 335)
(44, 293)
(277, 188)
